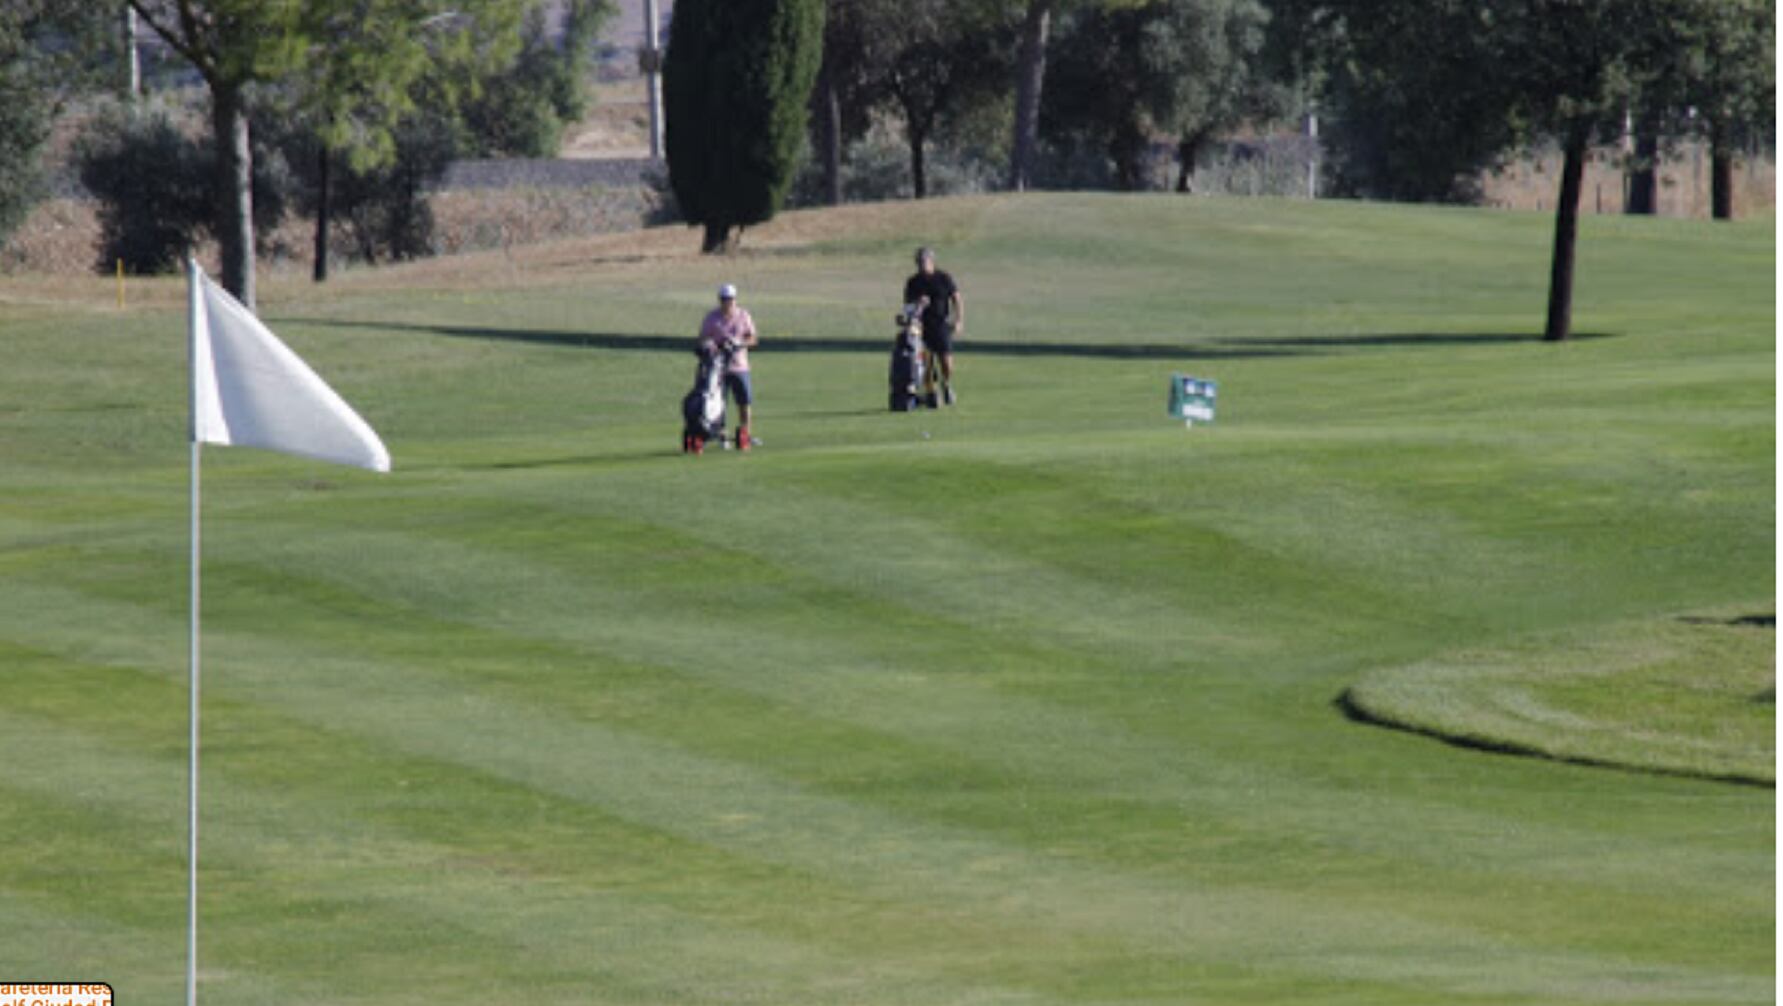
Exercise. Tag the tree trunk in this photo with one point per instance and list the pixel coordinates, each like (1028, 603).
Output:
(132, 82)
(829, 134)
(1128, 149)
(1188, 151)
(1643, 181)
(1030, 74)
(324, 213)
(234, 191)
(1720, 174)
(919, 175)
(717, 240)
(1566, 238)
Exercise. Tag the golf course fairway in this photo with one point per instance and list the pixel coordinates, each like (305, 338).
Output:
(1030, 701)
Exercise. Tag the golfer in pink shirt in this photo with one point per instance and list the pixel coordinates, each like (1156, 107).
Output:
(729, 326)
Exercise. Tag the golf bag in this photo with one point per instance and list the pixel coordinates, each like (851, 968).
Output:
(908, 371)
(702, 410)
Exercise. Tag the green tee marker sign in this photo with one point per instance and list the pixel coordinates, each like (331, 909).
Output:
(1192, 398)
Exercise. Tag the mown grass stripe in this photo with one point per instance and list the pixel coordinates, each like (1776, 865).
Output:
(329, 847)
(764, 819)
(801, 687)
(973, 644)
(1019, 745)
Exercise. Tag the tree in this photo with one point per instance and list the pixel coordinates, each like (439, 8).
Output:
(826, 117)
(1730, 73)
(231, 43)
(736, 81)
(1109, 90)
(1505, 73)
(345, 103)
(1643, 166)
(149, 220)
(1030, 77)
(1231, 79)
(1036, 17)
(1711, 77)
(848, 83)
(363, 53)
(934, 55)
(381, 208)
(468, 77)
(49, 52)
(1187, 68)
(24, 126)
(521, 107)
(1580, 65)
(1419, 94)
(926, 59)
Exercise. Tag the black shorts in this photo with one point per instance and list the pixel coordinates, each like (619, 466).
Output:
(939, 338)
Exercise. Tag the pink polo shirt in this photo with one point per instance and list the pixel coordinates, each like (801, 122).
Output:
(739, 326)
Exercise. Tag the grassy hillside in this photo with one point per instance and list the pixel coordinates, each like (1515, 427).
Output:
(1030, 701)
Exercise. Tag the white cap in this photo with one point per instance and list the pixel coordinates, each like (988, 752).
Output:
(727, 292)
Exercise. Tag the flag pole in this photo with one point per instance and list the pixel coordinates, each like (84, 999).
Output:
(192, 678)
(192, 774)
(248, 389)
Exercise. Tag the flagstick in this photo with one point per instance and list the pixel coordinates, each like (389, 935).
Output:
(192, 777)
(283, 406)
(192, 680)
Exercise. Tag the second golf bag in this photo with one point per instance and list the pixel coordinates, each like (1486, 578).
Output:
(702, 410)
(907, 362)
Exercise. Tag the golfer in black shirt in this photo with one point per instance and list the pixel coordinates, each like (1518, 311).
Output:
(943, 313)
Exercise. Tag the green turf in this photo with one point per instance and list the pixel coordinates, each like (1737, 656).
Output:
(1033, 701)
(1690, 694)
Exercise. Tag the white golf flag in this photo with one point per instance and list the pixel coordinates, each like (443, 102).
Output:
(250, 390)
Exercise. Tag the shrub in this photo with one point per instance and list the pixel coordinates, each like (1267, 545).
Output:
(150, 217)
(147, 218)
(877, 168)
(24, 126)
(382, 212)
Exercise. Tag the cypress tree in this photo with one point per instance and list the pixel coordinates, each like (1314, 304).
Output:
(736, 81)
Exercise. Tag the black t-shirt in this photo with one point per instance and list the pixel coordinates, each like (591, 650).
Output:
(938, 287)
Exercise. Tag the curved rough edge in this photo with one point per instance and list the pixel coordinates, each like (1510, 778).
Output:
(1357, 711)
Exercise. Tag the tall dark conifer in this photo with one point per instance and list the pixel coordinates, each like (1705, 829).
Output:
(736, 82)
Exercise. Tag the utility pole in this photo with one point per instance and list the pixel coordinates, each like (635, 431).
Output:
(1312, 164)
(134, 70)
(650, 60)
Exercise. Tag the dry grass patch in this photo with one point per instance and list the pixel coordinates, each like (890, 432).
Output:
(523, 263)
